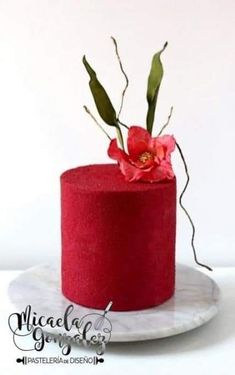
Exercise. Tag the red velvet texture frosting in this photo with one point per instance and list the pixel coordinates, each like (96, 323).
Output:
(118, 239)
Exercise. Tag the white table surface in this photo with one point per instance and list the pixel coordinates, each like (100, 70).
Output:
(209, 349)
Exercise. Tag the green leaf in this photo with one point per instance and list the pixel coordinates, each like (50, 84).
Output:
(102, 101)
(154, 81)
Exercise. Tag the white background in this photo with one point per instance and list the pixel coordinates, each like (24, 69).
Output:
(44, 130)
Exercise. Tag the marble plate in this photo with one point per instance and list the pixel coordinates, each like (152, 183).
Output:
(195, 302)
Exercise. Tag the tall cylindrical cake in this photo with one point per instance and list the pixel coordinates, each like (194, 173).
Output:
(118, 239)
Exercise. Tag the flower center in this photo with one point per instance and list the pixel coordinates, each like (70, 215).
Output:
(146, 156)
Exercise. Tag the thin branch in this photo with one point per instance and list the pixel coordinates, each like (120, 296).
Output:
(186, 212)
(167, 123)
(123, 72)
(94, 119)
(121, 123)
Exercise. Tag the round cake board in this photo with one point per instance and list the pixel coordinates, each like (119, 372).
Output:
(194, 303)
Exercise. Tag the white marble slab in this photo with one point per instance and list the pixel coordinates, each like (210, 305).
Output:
(195, 302)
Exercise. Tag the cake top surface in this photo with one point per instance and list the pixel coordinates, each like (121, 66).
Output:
(106, 177)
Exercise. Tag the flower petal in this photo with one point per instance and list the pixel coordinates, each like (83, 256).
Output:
(114, 152)
(137, 141)
(161, 172)
(168, 141)
(157, 149)
(131, 172)
(162, 147)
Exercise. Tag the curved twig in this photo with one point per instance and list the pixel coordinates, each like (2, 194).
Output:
(186, 212)
(94, 119)
(125, 75)
(167, 123)
(121, 123)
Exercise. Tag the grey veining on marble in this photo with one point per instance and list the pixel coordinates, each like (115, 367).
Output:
(194, 303)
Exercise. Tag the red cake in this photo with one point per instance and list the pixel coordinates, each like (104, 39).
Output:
(119, 220)
(118, 239)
